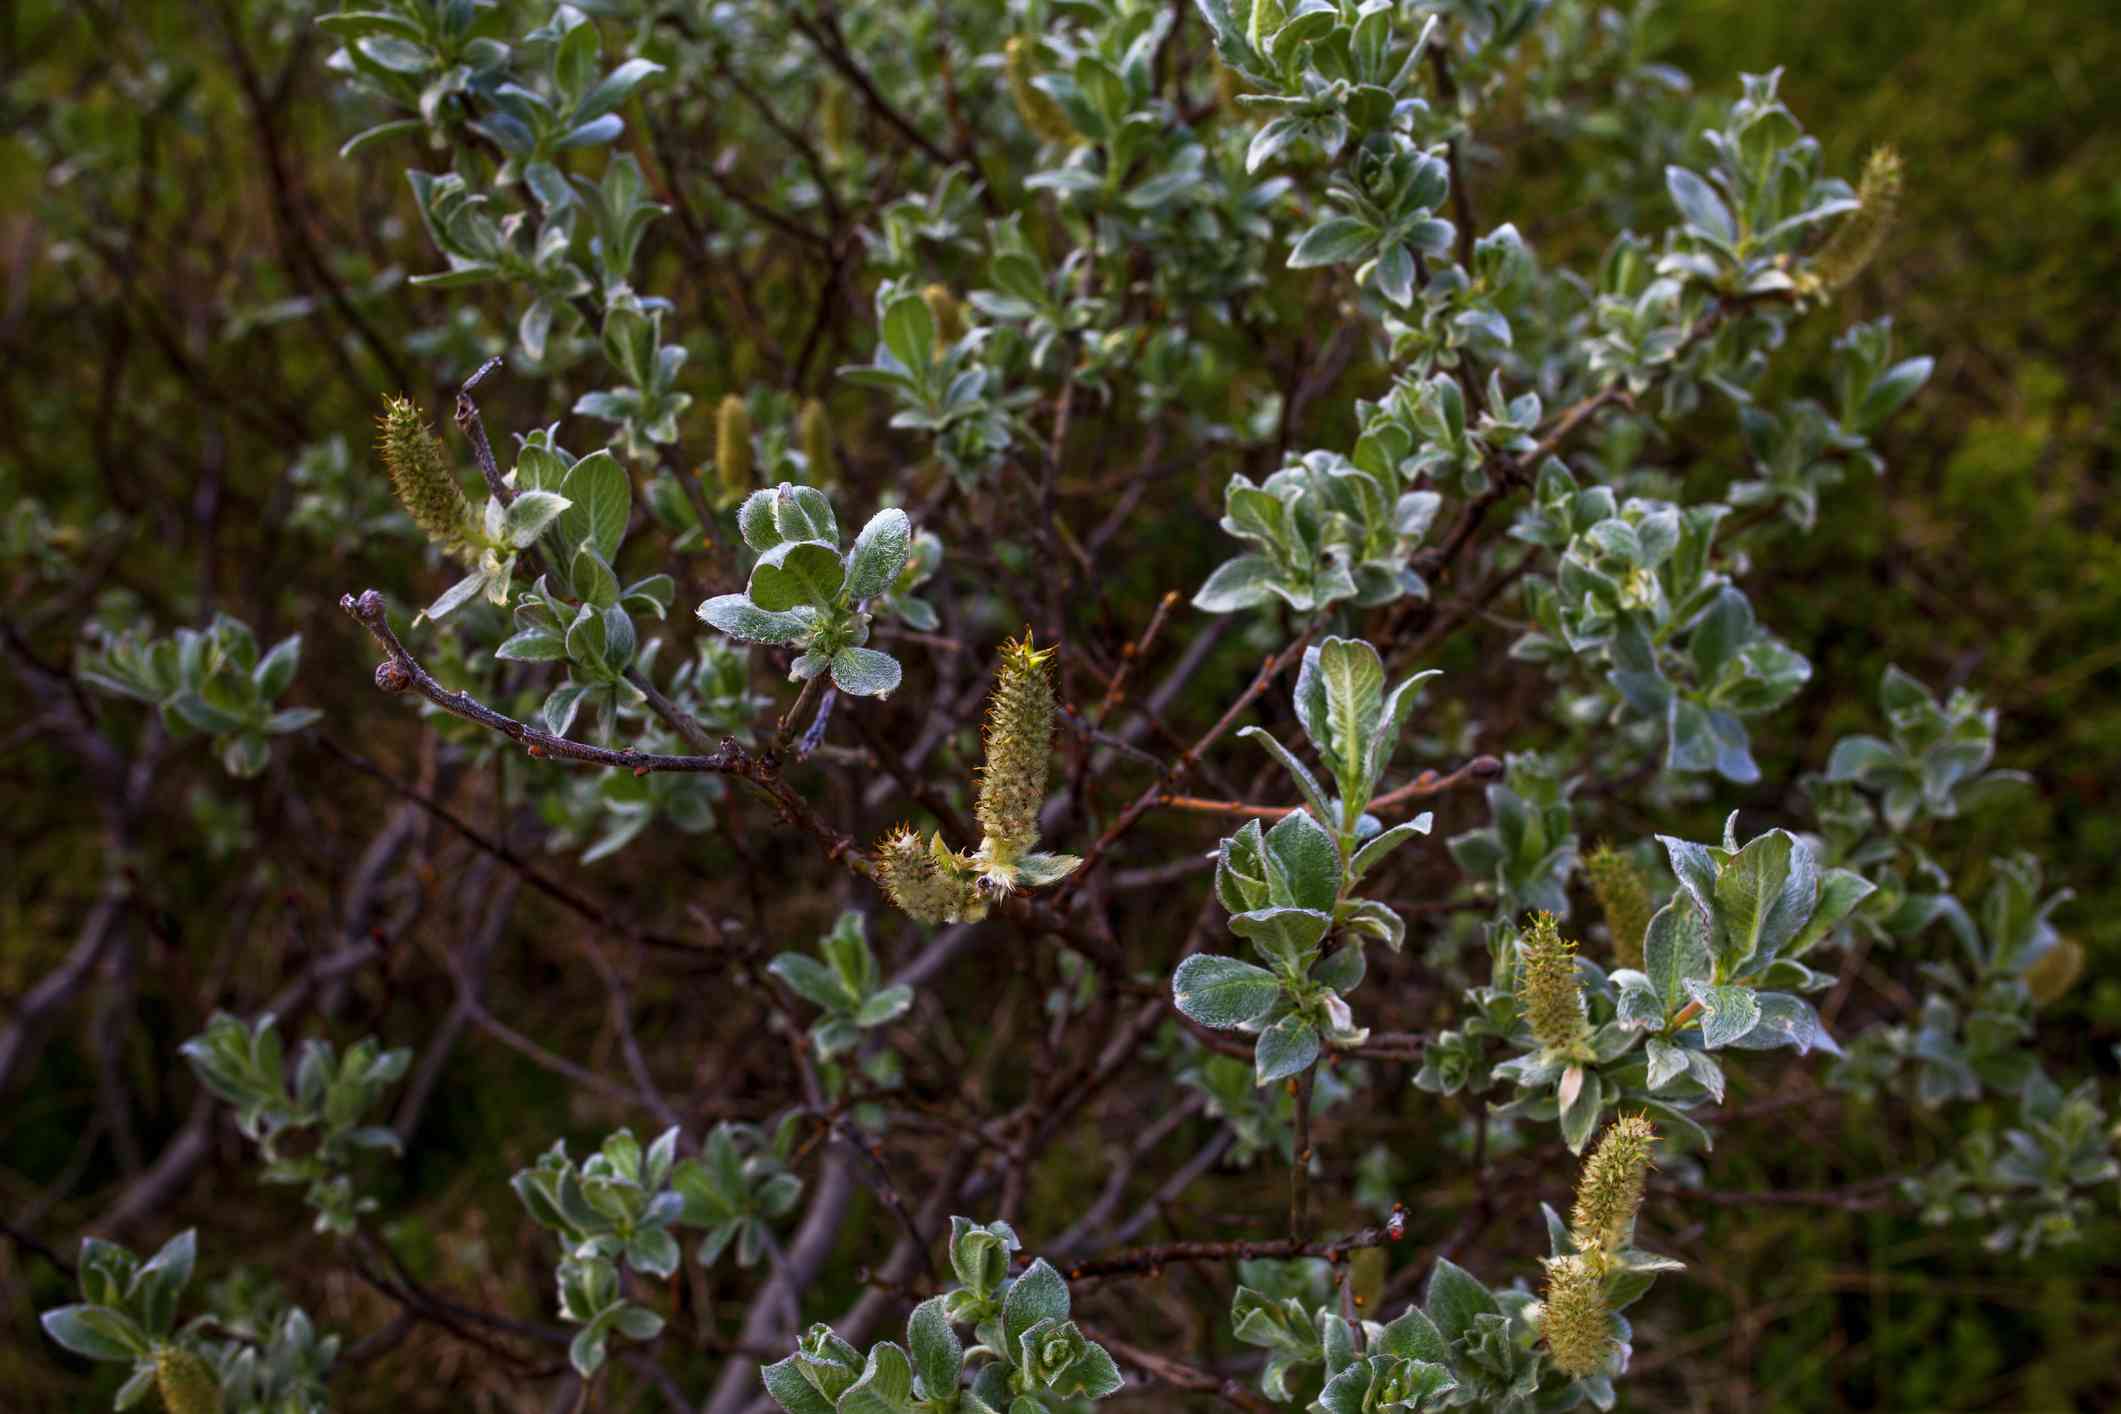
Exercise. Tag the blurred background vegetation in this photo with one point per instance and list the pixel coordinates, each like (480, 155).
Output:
(201, 305)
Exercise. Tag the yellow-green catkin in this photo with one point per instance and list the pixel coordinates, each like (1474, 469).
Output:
(924, 880)
(1047, 121)
(1019, 749)
(425, 483)
(2055, 972)
(813, 437)
(1857, 240)
(1624, 897)
(949, 314)
(732, 450)
(1578, 1330)
(1609, 1193)
(185, 1382)
(1550, 992)
(836, 123)
(1576, 1322)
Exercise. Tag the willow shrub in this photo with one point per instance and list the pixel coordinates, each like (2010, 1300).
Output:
(983, 310)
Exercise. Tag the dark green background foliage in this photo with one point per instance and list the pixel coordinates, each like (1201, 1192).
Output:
(203, 306)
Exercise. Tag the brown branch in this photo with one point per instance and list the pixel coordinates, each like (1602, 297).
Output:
(1190, 757)
(1428, 783)
(1180, 1375)
(399, 672)
(1150, 1260)
(1300, 1157)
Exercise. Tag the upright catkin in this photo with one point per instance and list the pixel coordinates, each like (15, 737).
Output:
(185, 1382)
(813, 437)
(1550, 992)
(1044, 117)
(425, 483)
(1609, 1193)
(1860, 236)
(1019, 748)
(732, 450)
(1624, 897)
(1577, 1327)
(949, 314)
(836, 123)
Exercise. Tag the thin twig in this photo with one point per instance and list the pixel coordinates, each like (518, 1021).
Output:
(1428, 783)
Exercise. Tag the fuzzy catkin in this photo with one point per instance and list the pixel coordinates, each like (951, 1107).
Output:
(732, 449)
(1044, 117)
(1609, 1193)
(949, 314)
(2054, 972)
(1550, 992)
(923, 880)
(813, 437)
(420, 474)
(1019, 742)
(185, 1382)
(1578, 1330)
(1857, 240)
(1624, 897)
(836, 122)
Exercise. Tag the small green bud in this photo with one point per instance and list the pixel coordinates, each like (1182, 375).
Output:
(425, 484)
(1609, 1193)
(1044, 117)
(185, 1382)
(1551, 994)
(813, 435)
(732, 450)
(1578, 1330)
(1857, 240)
(1624, 897)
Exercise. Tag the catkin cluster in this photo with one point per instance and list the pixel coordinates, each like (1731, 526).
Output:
(425, 483)
(1551, 994)
(1624, 897)
(185, 1382)
(933, 883)
(1857, 240)
(1577, 1322)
